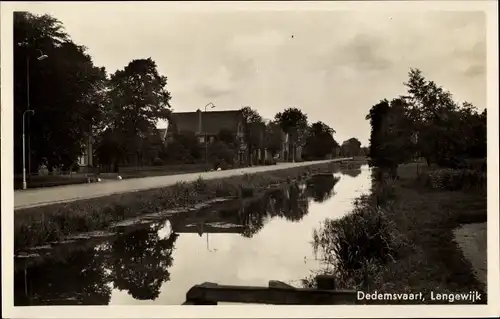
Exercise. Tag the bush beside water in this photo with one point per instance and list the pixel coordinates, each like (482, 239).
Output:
(359, 242)
(400, 239)
(453, 179)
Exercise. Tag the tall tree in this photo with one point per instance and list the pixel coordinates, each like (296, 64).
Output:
(56, 78)
(139, 99)
(391, 138)
(293, 122)
(320, 141)
(351, 147)
(273, 138)
(431, 108)
(254, 129)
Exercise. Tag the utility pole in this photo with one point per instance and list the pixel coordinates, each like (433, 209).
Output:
(28, 106)
(28, 110)
(24, 146)
(205, 131)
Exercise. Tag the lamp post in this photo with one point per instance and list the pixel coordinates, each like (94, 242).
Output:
(208, 247)
(205, 132)
(24, 146)
(41, 57)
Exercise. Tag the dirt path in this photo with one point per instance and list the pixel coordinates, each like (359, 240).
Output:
(64, 194)
(471, 238)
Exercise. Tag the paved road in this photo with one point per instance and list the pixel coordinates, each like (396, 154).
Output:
(64, 194)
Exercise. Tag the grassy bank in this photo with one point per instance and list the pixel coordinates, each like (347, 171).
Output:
(42, 181)
(40, 225)
(36, 181)
(400, 238)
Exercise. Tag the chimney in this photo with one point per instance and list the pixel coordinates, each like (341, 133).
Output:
(200, 125)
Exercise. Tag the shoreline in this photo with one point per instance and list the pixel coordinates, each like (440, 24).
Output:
(40, 225)
(422, 255)
(32, 198)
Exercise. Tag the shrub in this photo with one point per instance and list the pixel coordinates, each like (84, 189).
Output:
(158, 162)
(453, 179)
(246, 191)
(364, 236)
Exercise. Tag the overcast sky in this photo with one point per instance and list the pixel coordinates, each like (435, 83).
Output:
(334, 65)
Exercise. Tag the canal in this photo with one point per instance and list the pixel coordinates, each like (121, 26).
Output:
(269, 238)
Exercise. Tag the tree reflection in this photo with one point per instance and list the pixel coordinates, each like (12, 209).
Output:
(320, 187)
(254, 217)
(140, 262)
(76, 279)
(353, 169)
(291, 203)
(297, 205)
(352, 172)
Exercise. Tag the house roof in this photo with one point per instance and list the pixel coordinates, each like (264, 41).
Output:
(212, 122)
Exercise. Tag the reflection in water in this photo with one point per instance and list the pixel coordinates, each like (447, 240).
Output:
(320, 187)
(80, 279)
(256, 240)
(352, 172)
(140, 262)
(291, 203)
(137, 262)
(353, 169)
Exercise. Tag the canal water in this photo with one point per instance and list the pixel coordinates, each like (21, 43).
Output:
(270, 238)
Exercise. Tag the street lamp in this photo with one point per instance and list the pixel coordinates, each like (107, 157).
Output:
(206, 145)
(41, 57)
(208, 247)
(24, 146)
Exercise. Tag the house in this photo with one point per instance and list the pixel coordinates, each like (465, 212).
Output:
(288, 149)
(207, 125)
(85, 161)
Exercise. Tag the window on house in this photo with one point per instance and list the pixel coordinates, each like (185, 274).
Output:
(201, 139)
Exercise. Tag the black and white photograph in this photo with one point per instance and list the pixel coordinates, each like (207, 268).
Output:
(245, 153)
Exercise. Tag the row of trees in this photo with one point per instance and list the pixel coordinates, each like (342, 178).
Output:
(259, 134)
(316, 139)
(426, 123)
(75, 100)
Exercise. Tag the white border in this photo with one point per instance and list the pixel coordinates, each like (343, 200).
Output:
(491, 7)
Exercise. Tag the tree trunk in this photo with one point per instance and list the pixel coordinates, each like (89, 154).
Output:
(394, 172)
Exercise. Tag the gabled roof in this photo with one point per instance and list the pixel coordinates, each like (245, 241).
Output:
(212, 122)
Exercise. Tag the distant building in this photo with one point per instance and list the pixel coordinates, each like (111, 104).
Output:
(207, 125)
(288, 149)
